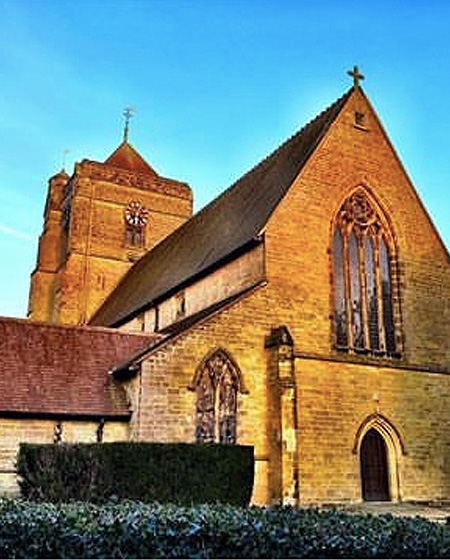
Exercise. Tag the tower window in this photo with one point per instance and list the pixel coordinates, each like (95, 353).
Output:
(136, 217)
(363, 292)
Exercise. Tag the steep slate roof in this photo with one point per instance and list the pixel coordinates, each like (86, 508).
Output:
(223, 227)
(59, 370)
(126, 157)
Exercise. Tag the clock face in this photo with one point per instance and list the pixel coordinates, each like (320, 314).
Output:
(136, 215)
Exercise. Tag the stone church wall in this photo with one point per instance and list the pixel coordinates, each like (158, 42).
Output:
(335, 399)
(338, 395)
(15, 431)
(299, 236)
(334, 396)
(163, 398)
(102, 203)
(229, 280)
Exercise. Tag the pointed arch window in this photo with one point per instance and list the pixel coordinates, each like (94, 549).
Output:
(362, 272)
(216, 386)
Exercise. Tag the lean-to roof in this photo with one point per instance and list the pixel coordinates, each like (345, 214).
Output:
(53, 370)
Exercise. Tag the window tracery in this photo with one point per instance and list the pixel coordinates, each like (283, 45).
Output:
(362, 267)
(216, 389)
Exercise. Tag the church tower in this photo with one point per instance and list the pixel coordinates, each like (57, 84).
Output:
(97, 223)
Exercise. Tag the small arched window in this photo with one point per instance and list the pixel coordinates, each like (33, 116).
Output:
(216, 387)
(362, 272)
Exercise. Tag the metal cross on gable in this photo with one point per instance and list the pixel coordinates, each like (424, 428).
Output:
(128, 113)
(356, 75)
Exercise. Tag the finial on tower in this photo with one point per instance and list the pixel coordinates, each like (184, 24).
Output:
(65, 152)
(128, 113)
(356, 76)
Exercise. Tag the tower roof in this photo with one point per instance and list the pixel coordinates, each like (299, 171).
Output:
(227, 225)
(126, 157)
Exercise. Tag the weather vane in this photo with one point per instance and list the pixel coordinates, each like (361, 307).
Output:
(128, 113)
(355, 74)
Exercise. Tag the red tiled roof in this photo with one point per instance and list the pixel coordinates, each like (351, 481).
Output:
(49, 369)
(126, 157)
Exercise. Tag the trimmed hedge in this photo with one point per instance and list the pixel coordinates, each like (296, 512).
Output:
(136, 530)
(178, 473)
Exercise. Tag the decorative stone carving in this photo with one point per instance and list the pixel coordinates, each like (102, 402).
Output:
(357, 209)
(157, 184)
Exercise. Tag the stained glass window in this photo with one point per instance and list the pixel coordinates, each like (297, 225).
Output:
(340, 305)
(355, 292)
(205, 407)
(227, 407)
(371, 294)
(364, 312)
(217, 388)
(386, 290)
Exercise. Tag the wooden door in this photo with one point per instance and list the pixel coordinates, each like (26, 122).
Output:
(374, 468)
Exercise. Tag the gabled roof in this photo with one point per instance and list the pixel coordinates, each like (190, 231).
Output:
(52, 370)
(225, 226)
(126, 157)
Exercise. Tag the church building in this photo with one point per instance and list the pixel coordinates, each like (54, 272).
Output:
(305, 311)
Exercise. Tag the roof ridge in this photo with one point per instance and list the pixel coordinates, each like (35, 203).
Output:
(73, 327)
(224, 225)
(261, 163)
(271, 155)
(294, 135)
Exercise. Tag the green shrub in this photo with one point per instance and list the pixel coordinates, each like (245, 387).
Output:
(136, 530)
(178, 473)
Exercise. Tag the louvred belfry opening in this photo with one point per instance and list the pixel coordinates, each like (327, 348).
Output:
(362, 272)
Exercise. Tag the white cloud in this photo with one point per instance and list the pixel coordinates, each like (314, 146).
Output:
(15, 233)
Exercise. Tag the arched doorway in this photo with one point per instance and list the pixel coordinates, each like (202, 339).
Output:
(374, 467)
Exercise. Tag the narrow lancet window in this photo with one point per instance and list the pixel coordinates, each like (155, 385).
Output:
(371, 295)
(340, 305)
(355, 292)
(362, 275)
(388, 315)
(205, 407)
(227, 408)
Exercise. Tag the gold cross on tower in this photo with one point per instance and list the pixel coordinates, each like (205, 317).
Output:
(356, 76)
(128, 113)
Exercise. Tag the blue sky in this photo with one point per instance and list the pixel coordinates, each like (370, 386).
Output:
(217, 85)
